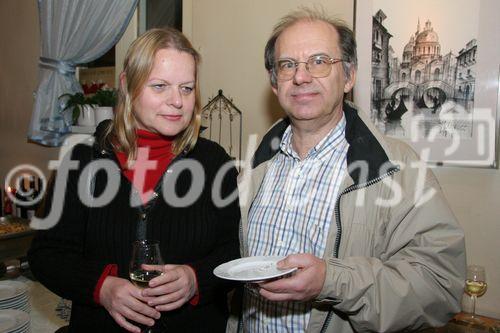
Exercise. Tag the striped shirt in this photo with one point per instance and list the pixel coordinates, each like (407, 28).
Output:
(291, 214)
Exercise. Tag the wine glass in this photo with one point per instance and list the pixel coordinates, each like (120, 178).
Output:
(475, 286)
(145, 252)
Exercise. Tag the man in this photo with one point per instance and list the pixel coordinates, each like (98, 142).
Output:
(376, 246)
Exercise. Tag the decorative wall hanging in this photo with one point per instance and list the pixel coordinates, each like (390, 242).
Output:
(221, 122)
(429, 74)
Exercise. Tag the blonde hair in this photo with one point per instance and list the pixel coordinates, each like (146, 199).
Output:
(137, 66)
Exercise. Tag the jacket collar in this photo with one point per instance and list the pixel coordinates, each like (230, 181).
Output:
(363, 146)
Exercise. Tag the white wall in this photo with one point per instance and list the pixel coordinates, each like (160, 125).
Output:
(122, 46)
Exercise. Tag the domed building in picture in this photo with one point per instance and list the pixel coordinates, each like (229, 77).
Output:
(421, 81)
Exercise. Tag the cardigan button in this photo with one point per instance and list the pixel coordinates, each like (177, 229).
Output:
(143, 216)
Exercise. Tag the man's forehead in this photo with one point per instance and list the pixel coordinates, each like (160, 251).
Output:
(307, 38)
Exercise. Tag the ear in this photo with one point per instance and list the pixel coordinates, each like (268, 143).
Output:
(350, 82)
(123, 81)
(275, 90)
(273, 81)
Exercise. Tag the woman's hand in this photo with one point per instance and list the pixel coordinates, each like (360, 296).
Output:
(171, 290)
(124, 302)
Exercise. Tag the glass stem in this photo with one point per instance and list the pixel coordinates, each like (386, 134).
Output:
(474, 306)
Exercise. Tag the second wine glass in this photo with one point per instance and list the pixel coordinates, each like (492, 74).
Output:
(475, 286)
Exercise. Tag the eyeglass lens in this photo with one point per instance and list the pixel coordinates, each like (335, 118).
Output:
(317, 66)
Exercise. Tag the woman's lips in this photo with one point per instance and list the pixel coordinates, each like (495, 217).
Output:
(172, 117)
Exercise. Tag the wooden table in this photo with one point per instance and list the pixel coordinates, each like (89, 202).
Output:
(457, 325)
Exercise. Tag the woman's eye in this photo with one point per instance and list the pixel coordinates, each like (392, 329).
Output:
(159, 86)
(187, 90)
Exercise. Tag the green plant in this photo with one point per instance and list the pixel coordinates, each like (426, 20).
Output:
(104, 97)
(75, 103)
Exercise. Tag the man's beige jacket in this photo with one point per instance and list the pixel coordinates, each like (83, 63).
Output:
(395, 254)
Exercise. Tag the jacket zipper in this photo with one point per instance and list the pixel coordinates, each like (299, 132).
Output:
(144, 210)
(339, 224)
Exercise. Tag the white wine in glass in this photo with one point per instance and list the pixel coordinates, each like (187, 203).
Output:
(475, 286)
(141, 277)
(145, 252)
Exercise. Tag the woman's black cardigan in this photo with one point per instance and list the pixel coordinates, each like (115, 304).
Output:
(70, 257)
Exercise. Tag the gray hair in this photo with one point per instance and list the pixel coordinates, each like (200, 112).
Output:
(347, 42)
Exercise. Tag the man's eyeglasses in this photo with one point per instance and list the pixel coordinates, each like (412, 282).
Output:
(318, 66)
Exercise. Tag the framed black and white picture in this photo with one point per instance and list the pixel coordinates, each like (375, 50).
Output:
(429, 74)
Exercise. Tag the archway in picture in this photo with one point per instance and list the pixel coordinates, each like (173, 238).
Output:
(398, 103)
(434, 97)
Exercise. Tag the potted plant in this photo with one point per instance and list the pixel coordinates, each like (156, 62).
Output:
(105, 100)
(80, 107)
(104, 97)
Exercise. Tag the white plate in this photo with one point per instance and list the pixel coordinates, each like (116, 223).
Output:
(24, 329)
(11, 320)
(18, 298)
(16, 305)
(252, 269)
(10, 289)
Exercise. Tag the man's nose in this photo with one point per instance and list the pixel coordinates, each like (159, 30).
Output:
(175, 98)
(302, 75)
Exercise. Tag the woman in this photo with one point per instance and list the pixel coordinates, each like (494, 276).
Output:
(160, 194)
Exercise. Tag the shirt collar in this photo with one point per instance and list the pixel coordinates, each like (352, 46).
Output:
(335, 139)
